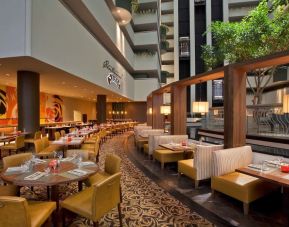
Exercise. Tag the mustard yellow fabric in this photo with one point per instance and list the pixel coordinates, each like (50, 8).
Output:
(186, 167)
(146, 148)
(97, 200)
(111, 166)
(241, 186)
(8, 190)
(165, 155)
(16, 160)
(16, 211)
(57, 135)
(19, 143)
(44, 148)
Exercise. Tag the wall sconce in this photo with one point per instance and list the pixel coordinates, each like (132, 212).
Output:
(113, 112)
(150, 111)
(201, 107)
(125, 112)
(286, 104)
(165, 110)
(109, 112)
(121, 112)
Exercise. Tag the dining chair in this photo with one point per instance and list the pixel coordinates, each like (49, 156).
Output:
(57, 135)
(111, 166)
(17, 211)
(8, 190)
(62, 133)
(95, 201)
(37, 135)
(78, 152)
(18, 145)
(16, 160)
(93, 148)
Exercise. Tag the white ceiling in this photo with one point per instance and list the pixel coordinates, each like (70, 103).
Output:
(54, 80)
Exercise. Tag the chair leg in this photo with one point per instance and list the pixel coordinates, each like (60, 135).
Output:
(95, 224)
(63, 217)
(162, 165)
(119, 214)
(246, 208)
(196, 184)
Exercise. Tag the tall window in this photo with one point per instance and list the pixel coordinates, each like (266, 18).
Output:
(184, 43)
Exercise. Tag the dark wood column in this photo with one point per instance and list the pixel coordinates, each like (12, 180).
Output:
(178, 110)
(149, 115)
(101, 109)
(158, 118)
(234, 107)
(28, 90)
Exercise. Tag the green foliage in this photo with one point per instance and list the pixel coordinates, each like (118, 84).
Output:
(264, 31)
(134, 5)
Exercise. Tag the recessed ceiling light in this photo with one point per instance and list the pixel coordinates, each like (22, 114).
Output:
(123, 21)
(75, 86)
(118, 11)
(63, 82)
(7, 74)
(0, 64)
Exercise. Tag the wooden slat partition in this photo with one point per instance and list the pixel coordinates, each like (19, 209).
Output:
(149, 115)
(158, 118)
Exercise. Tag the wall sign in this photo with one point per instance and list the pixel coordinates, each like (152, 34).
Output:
(113, 78)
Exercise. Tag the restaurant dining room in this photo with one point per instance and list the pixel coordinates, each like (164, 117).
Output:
(144, 113)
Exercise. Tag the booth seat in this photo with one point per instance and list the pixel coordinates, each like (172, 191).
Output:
(200, 167)
(145, 134)
(139, 140)
(165, 155)
(240, 186)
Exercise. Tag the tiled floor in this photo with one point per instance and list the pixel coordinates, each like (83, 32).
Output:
(220, 209)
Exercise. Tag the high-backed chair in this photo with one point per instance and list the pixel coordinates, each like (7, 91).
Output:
(57, 135)
(44, 149)
(8, 190)
(18, 145)
(93, 149)
(37, 135)
(240, 186)
(149, 133)
(200, 167)
(95, 201)
(16, 211)
(165, 155)
(16, 160)
(62, 133)
(111, 166)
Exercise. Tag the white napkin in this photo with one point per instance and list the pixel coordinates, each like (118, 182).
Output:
(35, 176)
(14, 169)
(77, 172)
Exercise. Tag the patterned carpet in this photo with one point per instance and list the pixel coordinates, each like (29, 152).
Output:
(144, 202)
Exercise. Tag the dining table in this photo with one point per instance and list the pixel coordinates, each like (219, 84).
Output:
(187, 149)
(74, 141)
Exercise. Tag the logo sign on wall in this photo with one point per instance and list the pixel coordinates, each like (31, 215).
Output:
(113, 78)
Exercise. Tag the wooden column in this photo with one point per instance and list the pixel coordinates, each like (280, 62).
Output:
(28, 90)
(149, 115)
(234, 107)
(157, 117)
(178, 110)
(101, 109)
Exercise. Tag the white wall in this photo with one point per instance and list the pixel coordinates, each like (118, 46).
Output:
(12, 28)
(60, 40)
(143, 87)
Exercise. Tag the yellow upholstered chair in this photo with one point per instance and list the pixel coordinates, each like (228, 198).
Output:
(62, 133)
(8, 190)
(16, 160)
(111, 166)
(37, 135)
(19, 144)
(16, 211)
(57, 135)
(72, 129)
(44, 149)
(93, 149)
(95, 201)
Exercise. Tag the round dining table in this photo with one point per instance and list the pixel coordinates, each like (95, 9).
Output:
(62, 175)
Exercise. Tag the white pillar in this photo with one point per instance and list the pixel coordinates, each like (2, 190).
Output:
(192, 48)
(209, 42)
(176, 40)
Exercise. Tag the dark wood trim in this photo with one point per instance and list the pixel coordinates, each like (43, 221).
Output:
(178, 110)
(149, 116)
(158, 118)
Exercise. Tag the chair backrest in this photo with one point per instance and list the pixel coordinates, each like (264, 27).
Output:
(106, 196)
(16, 160)
(8, 190)
(228, 160)
(203, 160)
(14, 211)
(112, 164)
(62, 132)
(71, 129)
(57, 135)
(37, 135)
(147, 132)
(45, 142)
(19, 142)
(38, 145)
(97, 145)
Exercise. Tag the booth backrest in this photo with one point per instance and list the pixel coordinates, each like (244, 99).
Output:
(203, 160)
(228, 160)
(138, 128)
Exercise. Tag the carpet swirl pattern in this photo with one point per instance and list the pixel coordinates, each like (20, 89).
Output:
(144, 202)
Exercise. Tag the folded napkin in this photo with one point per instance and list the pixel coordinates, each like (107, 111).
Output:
(88, 163)
(38, 160)
(35, 176)
(14, 169)
(77, 172)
